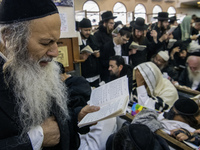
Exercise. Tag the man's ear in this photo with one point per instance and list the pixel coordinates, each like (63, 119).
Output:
(121, 67)
(79, 29)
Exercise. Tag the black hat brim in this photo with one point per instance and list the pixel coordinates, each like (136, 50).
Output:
(135, 26)
(113, 17)
(161, 18)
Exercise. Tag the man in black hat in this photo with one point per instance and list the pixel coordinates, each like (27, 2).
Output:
(90, 67)
(173, 21)
(137, 57)
(112, 48)
(158, 33)
(33, 106)
(106, 25)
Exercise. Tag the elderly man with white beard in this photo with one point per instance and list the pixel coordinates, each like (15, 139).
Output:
(190, 77)
(33, 99)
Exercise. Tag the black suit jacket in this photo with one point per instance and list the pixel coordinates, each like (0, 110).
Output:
(10, 128)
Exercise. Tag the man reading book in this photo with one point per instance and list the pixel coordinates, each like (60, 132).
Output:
(90, 67)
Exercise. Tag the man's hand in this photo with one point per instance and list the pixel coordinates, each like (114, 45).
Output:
(51, 132)
(163, 37)
(87, 109)
(154, 34)
(139, 78)
(85, 55)
(194, 37)
(175, 50)
(96, 54)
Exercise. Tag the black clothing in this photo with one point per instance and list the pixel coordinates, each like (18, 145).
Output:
(90, 67)
(79, 91)
(10, 128)
(184, 80)
(106, 51)
(171, 71)
(102, 36)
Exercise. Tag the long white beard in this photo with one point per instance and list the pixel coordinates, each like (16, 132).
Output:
(193, 76)
(36, 89)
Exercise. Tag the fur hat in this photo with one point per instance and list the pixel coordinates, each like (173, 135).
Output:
(23, 10)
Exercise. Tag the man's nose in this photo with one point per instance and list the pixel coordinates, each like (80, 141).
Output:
(53, 51)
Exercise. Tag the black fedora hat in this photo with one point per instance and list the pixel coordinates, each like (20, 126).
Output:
(85, 23)
(139, 24)
(107, 15)
(162, 16)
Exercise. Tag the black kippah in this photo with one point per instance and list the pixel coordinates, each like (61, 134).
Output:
(23, 10)
(85, 23)
(186, 106)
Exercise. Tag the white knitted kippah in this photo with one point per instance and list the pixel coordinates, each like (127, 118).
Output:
(164, 55)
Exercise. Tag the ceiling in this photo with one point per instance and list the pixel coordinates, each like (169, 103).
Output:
(190, 3)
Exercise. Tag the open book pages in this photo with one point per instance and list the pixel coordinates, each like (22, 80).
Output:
(135, 45)
(171, 43)
(87, 49)
(112, 98)
(171, 29)
(116, 30)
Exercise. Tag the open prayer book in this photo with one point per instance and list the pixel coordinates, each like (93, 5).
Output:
(171, 29)
(87, 49)
(116, 30)
(112, 98)
(135, 45)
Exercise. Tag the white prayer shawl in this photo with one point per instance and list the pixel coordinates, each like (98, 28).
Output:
(157, 85)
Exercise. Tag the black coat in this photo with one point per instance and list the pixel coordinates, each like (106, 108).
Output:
(90, 67)
(106, 51)
(102, 36)
(10, 128)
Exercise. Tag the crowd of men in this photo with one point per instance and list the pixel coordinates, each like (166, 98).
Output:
(167, 44)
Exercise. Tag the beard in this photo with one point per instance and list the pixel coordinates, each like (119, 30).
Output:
(36, 89)
(193, 76)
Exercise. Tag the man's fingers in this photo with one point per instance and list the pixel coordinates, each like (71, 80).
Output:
(89, 108)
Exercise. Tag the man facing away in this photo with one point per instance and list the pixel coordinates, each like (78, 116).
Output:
(33, 106)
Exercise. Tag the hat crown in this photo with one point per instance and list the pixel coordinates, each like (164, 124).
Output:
(85, 23)
(107, 15)
(163, 14)
(186, 106)
(139, 21)
(23, 10)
